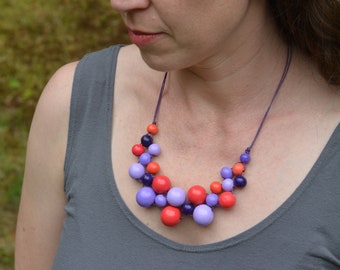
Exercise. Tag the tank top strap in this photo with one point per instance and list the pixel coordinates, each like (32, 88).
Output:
(91, 104)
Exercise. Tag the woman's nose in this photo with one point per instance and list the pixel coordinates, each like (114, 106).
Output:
(127, 5)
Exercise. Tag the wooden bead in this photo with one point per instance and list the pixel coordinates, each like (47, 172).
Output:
(197, 194)
(153, 167)
(170, 215)
(227, 199)
(238, 168)
(152, 129)
(161, 184)
(216, 187)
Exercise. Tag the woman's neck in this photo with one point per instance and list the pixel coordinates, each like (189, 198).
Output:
(233, 81)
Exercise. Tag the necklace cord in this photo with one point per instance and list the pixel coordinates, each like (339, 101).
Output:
(283, 77)
(159, 98)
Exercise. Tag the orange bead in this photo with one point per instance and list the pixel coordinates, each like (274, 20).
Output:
(216, 187)
(152, 129)
(153, 167)
(238, 168)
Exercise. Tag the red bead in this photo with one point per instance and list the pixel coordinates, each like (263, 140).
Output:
(170, 215)
(216, 187)
(138, 149)
(238, 168)
(227, 199)
(197, 195)
(153, 167)
(152, 129)
(161, 184)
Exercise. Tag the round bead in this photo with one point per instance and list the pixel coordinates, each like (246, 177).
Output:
(176, 196)
(245, 158)
(154, 149)
(161, 184)
(145, 197)
(146, 140)
(170, 215)
(147, 179)
(197, 194)
(226, 172)
(227, 199)
(152, 129)
(160, 200)
(216, 187)
(238, 168)
(240, 181)
(203, 215)
(187, 208)
(136, 170)
(153, 167)
(227, 184)
(145, 159)
(137, 149)
(212, 199)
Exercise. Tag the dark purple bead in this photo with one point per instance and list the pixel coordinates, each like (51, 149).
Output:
(240, 181)
(146, 140)
(187, 208)
(245, 158)
(147, 179)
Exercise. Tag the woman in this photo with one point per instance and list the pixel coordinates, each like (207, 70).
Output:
(214, 78)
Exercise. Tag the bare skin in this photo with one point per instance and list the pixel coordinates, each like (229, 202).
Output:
(212, 107)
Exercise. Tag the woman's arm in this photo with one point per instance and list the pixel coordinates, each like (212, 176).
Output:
(42, 203)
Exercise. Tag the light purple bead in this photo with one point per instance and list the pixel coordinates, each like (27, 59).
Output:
(176, 196)
(145, 159)
(212, 199)
(154, 149)
(226, 172)
(136, 170)
(245, 158)
(227, 184)
(203, 215)
(145, 197)
(160, 200)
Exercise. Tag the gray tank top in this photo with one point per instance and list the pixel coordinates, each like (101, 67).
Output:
(100, 232)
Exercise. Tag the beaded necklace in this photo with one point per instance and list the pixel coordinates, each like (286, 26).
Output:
(174, 202)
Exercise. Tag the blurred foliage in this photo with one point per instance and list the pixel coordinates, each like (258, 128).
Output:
(37, 37)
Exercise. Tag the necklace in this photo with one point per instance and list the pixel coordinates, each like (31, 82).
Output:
(196, 202)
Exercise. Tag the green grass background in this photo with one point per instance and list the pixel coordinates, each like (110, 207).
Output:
(37, 37)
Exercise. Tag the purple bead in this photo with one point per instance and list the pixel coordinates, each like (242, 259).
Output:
(245, 158)
(240, 181)
(176, 196)
(160, 200)
(136, 170)
(146, 140)
(147, 179)
(203, 215)
(212, 199)
(187, 208)
(145, 197)
(227, 184)
(154, 149)
(145, 159)
(226, 172)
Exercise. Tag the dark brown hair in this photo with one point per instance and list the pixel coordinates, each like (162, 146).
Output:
(313, 26)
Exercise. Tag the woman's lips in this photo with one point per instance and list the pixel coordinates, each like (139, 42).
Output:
(142, 38)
